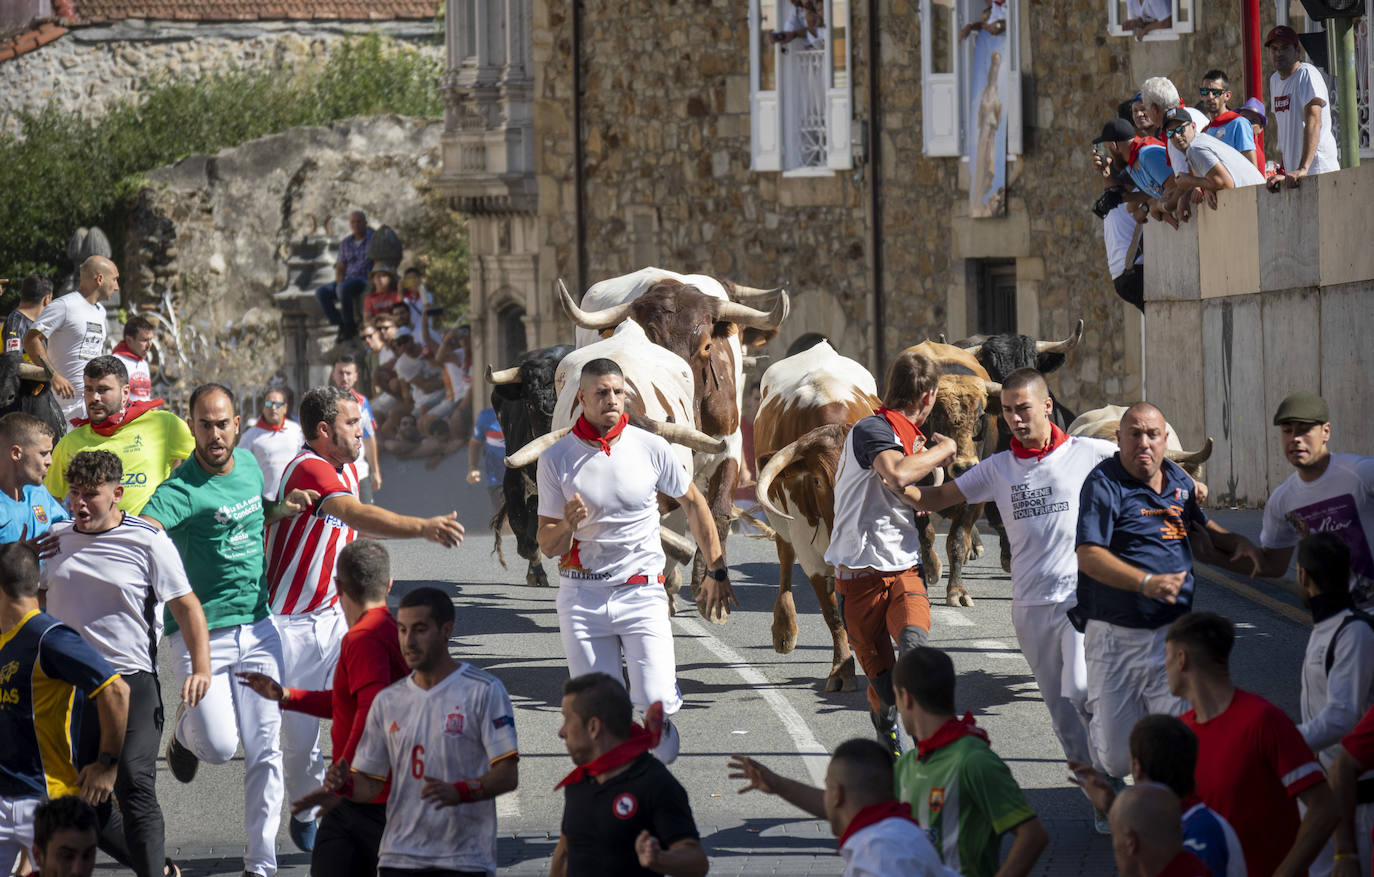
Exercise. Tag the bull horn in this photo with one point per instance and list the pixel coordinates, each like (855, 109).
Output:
(1069, 343)
(608, 318)
(29, 371)
(504, 376)
(1192, 457)
(940, 336)
(753, 361)
(993, 387)
(531, 451)
(743, 292)
(751, 318)
(772, 469)
(681, 434)
(676, 546)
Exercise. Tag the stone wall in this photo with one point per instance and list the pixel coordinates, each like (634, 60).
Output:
(92, 66)
(208, 241)
(665, 131)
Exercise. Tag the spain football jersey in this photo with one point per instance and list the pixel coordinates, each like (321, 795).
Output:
(48, 674)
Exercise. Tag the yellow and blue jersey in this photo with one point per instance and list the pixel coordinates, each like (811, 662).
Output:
(47, 676)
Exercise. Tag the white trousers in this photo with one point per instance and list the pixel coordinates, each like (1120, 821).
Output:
(1054, 650)
(231, 712)
(1364, 826)
(1126, 682)
(16, 830)
(599, 622)
(310, 648)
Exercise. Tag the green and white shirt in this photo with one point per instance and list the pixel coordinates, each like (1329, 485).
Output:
(964, 797)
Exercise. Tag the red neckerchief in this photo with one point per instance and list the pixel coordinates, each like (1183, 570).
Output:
(279, 427)
(905, 429)
(948, 733)
(1222, 119)
(1190, 801)
(1139, 143)
(583, 429)
(123, 348)
(875, 813)
(641, 741)
(1021, 452)
(114, 422)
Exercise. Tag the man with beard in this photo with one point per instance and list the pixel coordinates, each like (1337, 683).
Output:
(302, 550)
(148, 442)
(212, 508)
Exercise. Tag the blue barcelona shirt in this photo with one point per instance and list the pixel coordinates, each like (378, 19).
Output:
(1212, 839)
(47, 675)
(37, 512)
(1148, 530)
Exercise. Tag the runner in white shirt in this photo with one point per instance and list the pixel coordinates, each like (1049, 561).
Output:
(274, 440)
(109, 580)
(445, 735)
(598, 513)
(73, 327)
(132, 350)
(1036, 486)
(300, 572)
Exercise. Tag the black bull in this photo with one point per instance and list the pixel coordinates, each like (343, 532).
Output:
(525, 412)
(30, 397)
(1001, 355)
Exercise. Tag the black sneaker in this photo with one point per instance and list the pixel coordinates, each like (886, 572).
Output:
(181, 761)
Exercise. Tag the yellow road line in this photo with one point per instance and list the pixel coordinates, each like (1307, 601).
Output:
(1250, 592)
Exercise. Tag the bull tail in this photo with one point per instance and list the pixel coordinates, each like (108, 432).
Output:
(497, 521)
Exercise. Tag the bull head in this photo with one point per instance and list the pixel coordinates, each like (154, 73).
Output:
(729, 311)
(1042, 348)
(504, 376)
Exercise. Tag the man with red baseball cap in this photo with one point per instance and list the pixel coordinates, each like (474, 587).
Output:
(1302, 109)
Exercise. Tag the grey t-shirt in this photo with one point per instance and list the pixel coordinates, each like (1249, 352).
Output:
(1205, 151)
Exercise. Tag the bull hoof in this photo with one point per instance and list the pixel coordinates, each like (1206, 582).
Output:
(841, 678)
(1006, 562)
(784, 624)
(719, 618)
(975, 551)
(536, 578)
(958, 597)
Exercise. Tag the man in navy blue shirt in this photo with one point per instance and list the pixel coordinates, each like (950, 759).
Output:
(1135, 576)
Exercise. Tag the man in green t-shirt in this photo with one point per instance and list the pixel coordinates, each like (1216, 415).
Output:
(212, 508)
(960, 792)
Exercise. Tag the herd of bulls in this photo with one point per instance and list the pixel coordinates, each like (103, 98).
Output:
(682, 341)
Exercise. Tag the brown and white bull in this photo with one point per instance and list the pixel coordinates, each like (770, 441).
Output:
(961, 413)
(1105, 422)
(658, 397)
(693, 316)
(808, 404)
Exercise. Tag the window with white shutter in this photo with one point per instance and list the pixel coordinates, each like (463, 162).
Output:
(947, 75)
(1183, 19)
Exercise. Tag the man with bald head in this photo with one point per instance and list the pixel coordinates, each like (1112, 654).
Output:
(1135, 577)
(71, 331)
(1147, 835)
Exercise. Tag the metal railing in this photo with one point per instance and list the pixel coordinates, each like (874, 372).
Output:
(803, 82)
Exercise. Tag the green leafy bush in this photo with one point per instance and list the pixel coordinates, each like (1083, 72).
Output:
(64, 170)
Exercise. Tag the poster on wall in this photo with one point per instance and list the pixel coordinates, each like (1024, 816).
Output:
(987, 135)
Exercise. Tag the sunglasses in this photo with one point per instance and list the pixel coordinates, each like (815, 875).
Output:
(1214, 92)
(1175, 131)
(274, 404)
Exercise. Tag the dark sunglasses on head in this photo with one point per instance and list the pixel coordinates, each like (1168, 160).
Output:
(1214, 92)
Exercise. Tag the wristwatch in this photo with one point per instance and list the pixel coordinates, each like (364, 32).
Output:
(720, 575)
(107, 760)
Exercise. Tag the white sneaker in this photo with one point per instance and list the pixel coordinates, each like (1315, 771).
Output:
(668, 745)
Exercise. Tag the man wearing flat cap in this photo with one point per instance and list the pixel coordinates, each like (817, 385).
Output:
(1302, 110)
(1327, 493)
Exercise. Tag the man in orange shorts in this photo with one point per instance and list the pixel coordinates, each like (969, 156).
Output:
(875, 543)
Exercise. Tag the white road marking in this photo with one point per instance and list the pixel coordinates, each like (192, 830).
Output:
(813, 754)
(508, 805)
(948, 616)
(997, 649)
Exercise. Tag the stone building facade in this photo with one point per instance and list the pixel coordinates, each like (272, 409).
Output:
(641, 152)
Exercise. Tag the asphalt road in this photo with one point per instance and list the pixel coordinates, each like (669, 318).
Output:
(740, 697)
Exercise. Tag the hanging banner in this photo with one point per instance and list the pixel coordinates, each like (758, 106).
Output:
(987, 135)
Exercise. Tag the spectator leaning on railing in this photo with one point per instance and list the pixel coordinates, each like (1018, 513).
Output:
(1227, 125)
(1212, 165)
(1159, 96)
(1302, 110)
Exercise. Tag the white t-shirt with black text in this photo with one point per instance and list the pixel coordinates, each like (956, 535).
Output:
(619, 538)
(1289, 98)
(75, 330)
(1340, 501)
(1038, 500)
(110, 587)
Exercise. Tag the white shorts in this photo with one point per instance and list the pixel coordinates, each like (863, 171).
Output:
(16, 830)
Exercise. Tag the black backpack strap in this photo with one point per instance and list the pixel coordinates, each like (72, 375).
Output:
(1354, 616)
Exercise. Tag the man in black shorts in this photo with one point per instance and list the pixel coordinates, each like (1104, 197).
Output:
(623, 812)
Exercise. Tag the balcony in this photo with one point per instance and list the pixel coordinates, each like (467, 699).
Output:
(1269, 294)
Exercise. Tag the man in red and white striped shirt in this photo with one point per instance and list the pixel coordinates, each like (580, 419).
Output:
(301, 553)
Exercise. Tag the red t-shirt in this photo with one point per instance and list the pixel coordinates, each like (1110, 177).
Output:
(1185, 864)
(377, 303)
(369, 660)
(1251, 764)
(1360, 741)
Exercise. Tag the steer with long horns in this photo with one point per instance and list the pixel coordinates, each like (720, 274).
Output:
(659, 399)
(693, 316)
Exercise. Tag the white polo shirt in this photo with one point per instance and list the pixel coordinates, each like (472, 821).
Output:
(274, 449)
(110, 587)
(619, 538)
